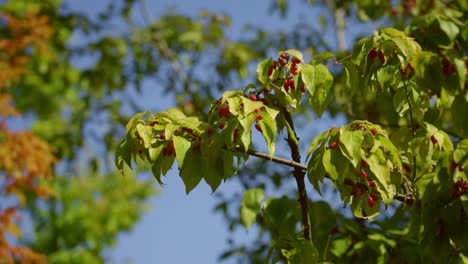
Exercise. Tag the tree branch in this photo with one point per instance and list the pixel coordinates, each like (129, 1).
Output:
(407, 197)
(298, 175)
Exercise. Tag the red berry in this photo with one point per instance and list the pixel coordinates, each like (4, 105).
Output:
(270, 70)
(286, 86)
(295, 60)
(222, 125)
(266, 91)
(373, 131)
(264, 101)
(281, 62)
(162, 136)
(259, 128)
(334, 145)
(453, 165)
(465, 187)
(170, 145)
(363, 174)
(259, 117)
(364, 164)
(372, 54)
(457, 192)
(188, 130)
(393, 11)
(370, 201)
(303, 89)
(407, 167)
(434, 140)
(334, 231)
(253, 97)
(236, 133)
(284, 56)
(294, 69)
(381, 56)
(223, 112)
(258, 110)
(209, 130)
(137, 135)
(371, 183)
(196, 147)
(403, 72)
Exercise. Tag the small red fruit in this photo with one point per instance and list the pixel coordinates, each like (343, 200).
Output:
(453, 165)
(295, 60)
(258, 110)
(259, 128)
(259, 117)
(364, 164)
(303, 89)
(264, 101)
(381, 56)
(407, 167)
(434, 140)
(371, 183)
(373, 131)
(222, 125)
(236, 133)
(209, 130)
(334, 231)
(363, 174)
(465, 187)
(334, 145)
(162, 136)
(372, 54)
(253, 97)
(170, 145)
(370, 201)
(223, 112)
(284, 56)
(196, 147)
(294, 69)
(270, 70)
(281, 62)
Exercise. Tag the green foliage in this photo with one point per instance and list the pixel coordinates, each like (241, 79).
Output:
(411, 166)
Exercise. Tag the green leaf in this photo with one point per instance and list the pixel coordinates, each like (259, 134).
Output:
(315, 170)
(329, 166)
(190, 171)
(322, 57)
(134, 120)
(250, 206)
(146, 133)
(268, 126)
(318, 81)
(181, 146)
(123, 156)
(262, 71)
(400, 102)
(350, 145)
(293, 53)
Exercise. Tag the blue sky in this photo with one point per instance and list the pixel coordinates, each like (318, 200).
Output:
(182, 228)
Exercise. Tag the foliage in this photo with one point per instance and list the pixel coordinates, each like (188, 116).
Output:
(404, 153)
(25, 160)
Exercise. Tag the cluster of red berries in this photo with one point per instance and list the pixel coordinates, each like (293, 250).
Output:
(460, 187)
(408, 68)
(374, 54)
(359, 189)
(447, 67)
(293, 69)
